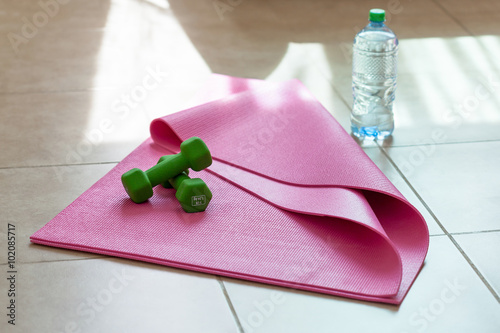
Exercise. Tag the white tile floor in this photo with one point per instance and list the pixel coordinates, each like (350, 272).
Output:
(79, 65)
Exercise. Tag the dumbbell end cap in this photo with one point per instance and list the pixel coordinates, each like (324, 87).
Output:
(197, 153)
(137, 185)
(194, 195)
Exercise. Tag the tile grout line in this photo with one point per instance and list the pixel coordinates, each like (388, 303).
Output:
(474, 232)
(487, 284)
(54, 261)
(56, 165)
(468, 233)
(62, 91)
(457, 21)
(450, 237)
(440, 143)
(230, 304)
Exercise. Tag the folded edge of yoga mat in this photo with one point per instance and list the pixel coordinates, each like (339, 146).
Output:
(361, 240)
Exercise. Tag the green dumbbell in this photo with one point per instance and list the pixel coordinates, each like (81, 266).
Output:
(139, 184)
(192, 193)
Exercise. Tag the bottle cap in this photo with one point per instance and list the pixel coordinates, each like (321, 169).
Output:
(377, 15)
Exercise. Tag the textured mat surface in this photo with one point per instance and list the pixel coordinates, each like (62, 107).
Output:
(296, 202)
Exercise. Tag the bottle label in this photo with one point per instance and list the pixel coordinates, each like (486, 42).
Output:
(374, 67)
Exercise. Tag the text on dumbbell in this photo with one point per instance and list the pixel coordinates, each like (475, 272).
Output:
(198, 200)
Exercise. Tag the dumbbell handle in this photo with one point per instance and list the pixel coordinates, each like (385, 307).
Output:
(177, 180)
(167, 169)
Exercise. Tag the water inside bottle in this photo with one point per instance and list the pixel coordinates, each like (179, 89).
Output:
(374, 84)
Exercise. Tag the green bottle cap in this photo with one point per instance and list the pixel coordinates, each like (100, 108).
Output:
(377, 15)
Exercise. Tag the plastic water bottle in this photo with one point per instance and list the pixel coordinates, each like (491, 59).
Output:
(374, 72)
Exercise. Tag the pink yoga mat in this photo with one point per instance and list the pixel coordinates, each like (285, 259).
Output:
(296, 202)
